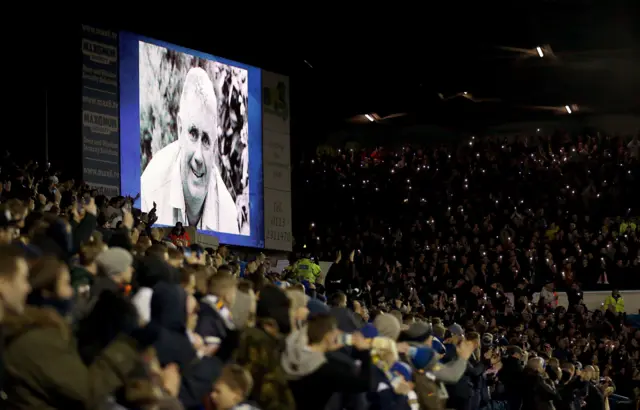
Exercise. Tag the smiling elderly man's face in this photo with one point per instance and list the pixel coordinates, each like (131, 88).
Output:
(197, 133)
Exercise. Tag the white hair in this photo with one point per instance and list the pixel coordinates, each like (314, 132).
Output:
(198, 84)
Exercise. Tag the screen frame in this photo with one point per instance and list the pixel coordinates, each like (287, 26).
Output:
(130, 172)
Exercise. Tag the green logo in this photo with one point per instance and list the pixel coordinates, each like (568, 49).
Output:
(275, 100)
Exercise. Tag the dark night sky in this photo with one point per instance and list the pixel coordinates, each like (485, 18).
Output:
(362, 65)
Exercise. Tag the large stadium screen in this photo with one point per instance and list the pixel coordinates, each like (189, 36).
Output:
(191, 139)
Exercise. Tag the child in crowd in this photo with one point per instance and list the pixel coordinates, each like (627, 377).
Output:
(232, 388)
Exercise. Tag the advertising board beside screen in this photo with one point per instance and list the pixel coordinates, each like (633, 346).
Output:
(100, 110)
(277, 162)
(191, 139)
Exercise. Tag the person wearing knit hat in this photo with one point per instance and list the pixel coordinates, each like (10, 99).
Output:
(114, 272)
(369, 331)
(422, 358)
(397, 314)
(402, 372)
(402, 369)
(418, 332)
(316, 307)
(274, 304)
(456, 330)
(387, 326)
(115, 263)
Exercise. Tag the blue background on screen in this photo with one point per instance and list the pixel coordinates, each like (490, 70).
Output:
(130, 133)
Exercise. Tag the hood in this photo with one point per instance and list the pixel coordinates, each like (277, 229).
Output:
(297, 360)
(274, 304)
(347, 322)
(169, 307)
(14, 326)
(151, 270)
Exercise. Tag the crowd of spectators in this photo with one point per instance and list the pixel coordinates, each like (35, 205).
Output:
(429, 303)
(539, 209)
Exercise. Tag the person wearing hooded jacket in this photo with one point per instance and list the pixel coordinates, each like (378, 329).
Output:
(313, 376)
(169, 312)
(421, 334)
(151, 271)
(44, 369)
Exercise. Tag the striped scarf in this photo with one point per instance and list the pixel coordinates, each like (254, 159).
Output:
(218, 305)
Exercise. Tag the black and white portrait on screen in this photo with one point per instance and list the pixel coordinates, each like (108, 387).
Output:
(194, 140)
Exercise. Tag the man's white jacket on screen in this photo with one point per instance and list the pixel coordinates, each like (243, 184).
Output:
(161, 183)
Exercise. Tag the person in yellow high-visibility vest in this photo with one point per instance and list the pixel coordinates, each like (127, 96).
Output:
(306, 269)
(615, 302)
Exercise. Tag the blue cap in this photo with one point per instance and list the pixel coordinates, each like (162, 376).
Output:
(316, 307)
(369, 331)
(421, 356)
(402, 369)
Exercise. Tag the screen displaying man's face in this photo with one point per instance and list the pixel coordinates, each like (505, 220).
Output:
(197, 136)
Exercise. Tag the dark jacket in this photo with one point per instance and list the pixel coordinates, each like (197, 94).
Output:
(85, 305)
(44, 370)
(169, 311)
(314, 377)
(348, 401)
(110, 315)
(339, 276)
(539, 394)
(511, 376)
(385, 398)
(460, 393)
(595, 399)
(314, 391)
(211, 324)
